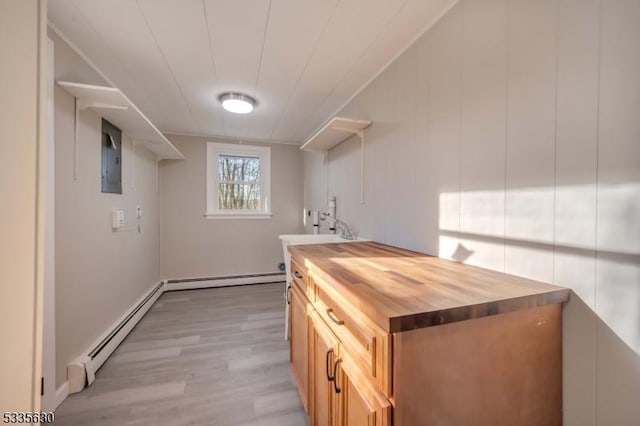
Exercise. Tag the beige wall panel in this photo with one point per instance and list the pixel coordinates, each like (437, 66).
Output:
(576, 146)
(196, 247)
(425, 239)
(530, 138)
(482, 153)
(618, 267)
(315, 184)
(618, 380)
(575, 199)
(532, 72)
(344, 183)
(20, 41)
(100, 274)
(400, 161)
(375, 157)
(442, 156)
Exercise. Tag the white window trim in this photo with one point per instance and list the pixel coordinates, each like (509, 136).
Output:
(214, 149)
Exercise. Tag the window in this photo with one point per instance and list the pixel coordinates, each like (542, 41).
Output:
(238, 181)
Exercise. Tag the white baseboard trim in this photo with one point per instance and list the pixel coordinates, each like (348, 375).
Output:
(196, 283)
(81, 371)
(61, 394)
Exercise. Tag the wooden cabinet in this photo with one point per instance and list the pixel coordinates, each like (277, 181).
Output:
(381, 336)
(299, 347)
(341, 394)
(497, 370)
(325, 349)
(360, 403)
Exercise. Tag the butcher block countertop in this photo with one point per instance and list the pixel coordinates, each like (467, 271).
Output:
(402, 290)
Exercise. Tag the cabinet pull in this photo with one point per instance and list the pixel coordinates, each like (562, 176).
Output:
(297, 274)
(333, 318)
(335, 375)
(326, 364)
(286, 295)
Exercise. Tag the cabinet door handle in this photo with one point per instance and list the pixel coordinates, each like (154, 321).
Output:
(287, 295)
(297, 274)
(333, 318)
(326, 364)
(335, 375)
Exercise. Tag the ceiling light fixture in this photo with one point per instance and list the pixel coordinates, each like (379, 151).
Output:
(238, 103)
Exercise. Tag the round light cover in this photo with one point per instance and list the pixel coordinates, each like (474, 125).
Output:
(238, 103)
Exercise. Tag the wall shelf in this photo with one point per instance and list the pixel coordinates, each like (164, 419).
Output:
(114, 106)
(335, 132)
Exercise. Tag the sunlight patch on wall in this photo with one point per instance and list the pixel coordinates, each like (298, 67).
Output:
(580, 236)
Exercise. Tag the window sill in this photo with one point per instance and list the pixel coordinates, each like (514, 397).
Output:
(237, 215)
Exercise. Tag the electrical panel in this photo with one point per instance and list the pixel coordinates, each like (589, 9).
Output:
(111, 158)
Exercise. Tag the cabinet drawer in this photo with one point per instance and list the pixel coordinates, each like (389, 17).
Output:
(366, 344)
(299, 277)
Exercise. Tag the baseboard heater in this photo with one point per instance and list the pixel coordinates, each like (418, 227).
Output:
(224, 281)
(81, 371)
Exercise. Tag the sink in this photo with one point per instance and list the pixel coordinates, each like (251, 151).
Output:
(299, 239)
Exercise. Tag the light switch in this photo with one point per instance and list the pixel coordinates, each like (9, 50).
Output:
(117, 219)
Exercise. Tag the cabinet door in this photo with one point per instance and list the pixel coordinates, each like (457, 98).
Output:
(361, 404)
(299, 344)
(324, 353)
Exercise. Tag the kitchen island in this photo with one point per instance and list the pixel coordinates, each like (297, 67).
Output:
(382, 335)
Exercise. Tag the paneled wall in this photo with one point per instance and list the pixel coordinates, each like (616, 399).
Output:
(508, 137)
(196, 247)
(100, 274)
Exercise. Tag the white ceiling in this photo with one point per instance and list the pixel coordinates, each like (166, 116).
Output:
(302, 59)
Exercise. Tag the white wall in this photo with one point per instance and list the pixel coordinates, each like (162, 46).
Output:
(508, 137)
(100, 274)
(22, 44)
(196, 247)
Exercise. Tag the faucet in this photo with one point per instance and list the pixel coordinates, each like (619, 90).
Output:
(344, 231)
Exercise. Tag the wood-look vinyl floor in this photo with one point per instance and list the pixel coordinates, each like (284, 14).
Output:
(199, 357)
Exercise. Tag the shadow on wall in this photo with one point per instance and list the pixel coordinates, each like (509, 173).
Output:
(592, 251)
(601, 338)
(462, 253)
